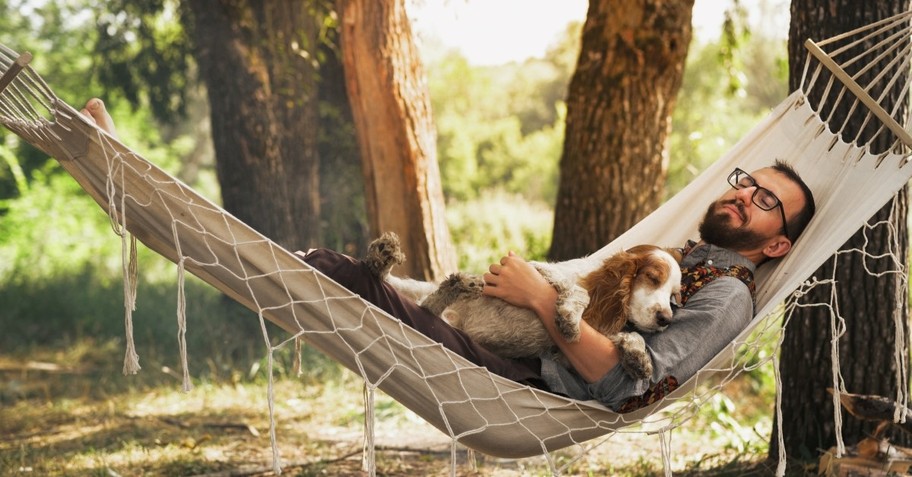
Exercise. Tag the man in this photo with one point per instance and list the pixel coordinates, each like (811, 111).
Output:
(757, 220)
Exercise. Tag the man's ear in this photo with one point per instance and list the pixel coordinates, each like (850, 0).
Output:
(777, 247)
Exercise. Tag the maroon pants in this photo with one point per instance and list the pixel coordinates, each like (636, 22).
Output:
(355, 276)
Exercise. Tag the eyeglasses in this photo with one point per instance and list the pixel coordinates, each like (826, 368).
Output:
(762, 197)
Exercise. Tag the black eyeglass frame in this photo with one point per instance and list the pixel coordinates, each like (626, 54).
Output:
(735, 180)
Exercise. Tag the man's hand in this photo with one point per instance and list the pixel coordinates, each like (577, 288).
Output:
(518, 283)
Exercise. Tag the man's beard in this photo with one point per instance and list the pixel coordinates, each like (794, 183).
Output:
(716, 229)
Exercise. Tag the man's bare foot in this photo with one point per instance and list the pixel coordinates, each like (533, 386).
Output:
(95, 111)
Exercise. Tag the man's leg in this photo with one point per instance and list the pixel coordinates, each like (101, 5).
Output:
(355, 276)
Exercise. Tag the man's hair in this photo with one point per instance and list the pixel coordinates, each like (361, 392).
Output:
(799, 222)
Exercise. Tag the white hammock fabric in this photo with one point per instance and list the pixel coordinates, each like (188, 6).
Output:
(476, 408)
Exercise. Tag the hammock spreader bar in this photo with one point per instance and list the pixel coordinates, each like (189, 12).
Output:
(859, 92)
(14, 70)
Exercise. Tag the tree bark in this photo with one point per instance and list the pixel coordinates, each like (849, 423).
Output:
(392, 113)
(866, 302)
(257, 60)
(619, 105)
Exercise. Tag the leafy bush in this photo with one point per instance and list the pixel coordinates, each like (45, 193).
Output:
(499, 127)
(486, 228)
(708, 119)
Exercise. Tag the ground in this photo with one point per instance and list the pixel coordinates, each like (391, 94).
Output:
(86, 418)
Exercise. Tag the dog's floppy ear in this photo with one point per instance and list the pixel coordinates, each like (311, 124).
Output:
(609, 293)
(675, 253)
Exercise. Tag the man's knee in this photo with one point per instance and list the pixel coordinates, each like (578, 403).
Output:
(324, 259)
(345, 270)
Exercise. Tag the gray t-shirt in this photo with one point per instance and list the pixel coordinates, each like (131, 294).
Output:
(709, 321)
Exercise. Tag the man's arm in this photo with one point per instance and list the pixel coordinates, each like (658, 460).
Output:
(517, 282)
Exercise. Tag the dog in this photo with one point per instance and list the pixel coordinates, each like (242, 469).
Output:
(632, 291)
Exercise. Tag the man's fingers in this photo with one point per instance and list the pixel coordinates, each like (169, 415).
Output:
(490, 285)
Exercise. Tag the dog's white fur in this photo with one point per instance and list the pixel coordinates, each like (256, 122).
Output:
(650, 307)
(636, 286)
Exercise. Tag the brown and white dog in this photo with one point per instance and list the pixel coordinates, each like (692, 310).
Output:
(636, 287)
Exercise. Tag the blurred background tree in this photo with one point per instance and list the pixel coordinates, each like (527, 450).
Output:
(390, 104)
(619, 106)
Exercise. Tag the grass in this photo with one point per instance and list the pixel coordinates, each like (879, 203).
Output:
(85, 418)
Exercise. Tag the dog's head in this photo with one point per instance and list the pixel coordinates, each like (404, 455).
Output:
(638, 285)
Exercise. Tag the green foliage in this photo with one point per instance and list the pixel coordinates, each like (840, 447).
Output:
(70, 307)
(52, 32)
(56, 33)
(343, 224)
(502, 128)
(486, 228)
(52, 229)
(142, 52)
(61, 282)
(710, 117)
(735, 35)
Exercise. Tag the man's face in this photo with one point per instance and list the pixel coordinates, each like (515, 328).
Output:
(735, 222)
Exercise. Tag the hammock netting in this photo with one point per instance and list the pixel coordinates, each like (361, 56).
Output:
(476, 408)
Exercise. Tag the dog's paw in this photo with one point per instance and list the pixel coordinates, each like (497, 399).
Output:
(383, 253)
(458, 286)
(463, 284)
(634, 357)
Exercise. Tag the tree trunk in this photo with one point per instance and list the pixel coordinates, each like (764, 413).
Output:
(866, 302)
(392, 112)
(619, 105)
(257, 60)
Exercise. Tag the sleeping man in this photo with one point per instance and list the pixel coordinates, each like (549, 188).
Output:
(758, 219)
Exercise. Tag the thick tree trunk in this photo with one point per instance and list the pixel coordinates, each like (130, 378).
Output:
(392, 112)
(619, 106)
(867, 302)
(257, 60)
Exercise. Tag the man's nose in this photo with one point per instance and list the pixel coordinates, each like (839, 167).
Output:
(745, 194)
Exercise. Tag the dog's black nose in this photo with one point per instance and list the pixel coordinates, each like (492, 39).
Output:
(662, 319)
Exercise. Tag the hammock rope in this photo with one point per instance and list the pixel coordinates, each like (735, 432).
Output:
(473, 407)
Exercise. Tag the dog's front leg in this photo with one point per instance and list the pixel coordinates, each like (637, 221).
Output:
(416, 290)
(572, 300)
(634, 357)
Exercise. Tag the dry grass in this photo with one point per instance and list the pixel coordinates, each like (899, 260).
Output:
(72, 413)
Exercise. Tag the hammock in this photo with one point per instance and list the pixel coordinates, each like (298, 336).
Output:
(480, 410)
